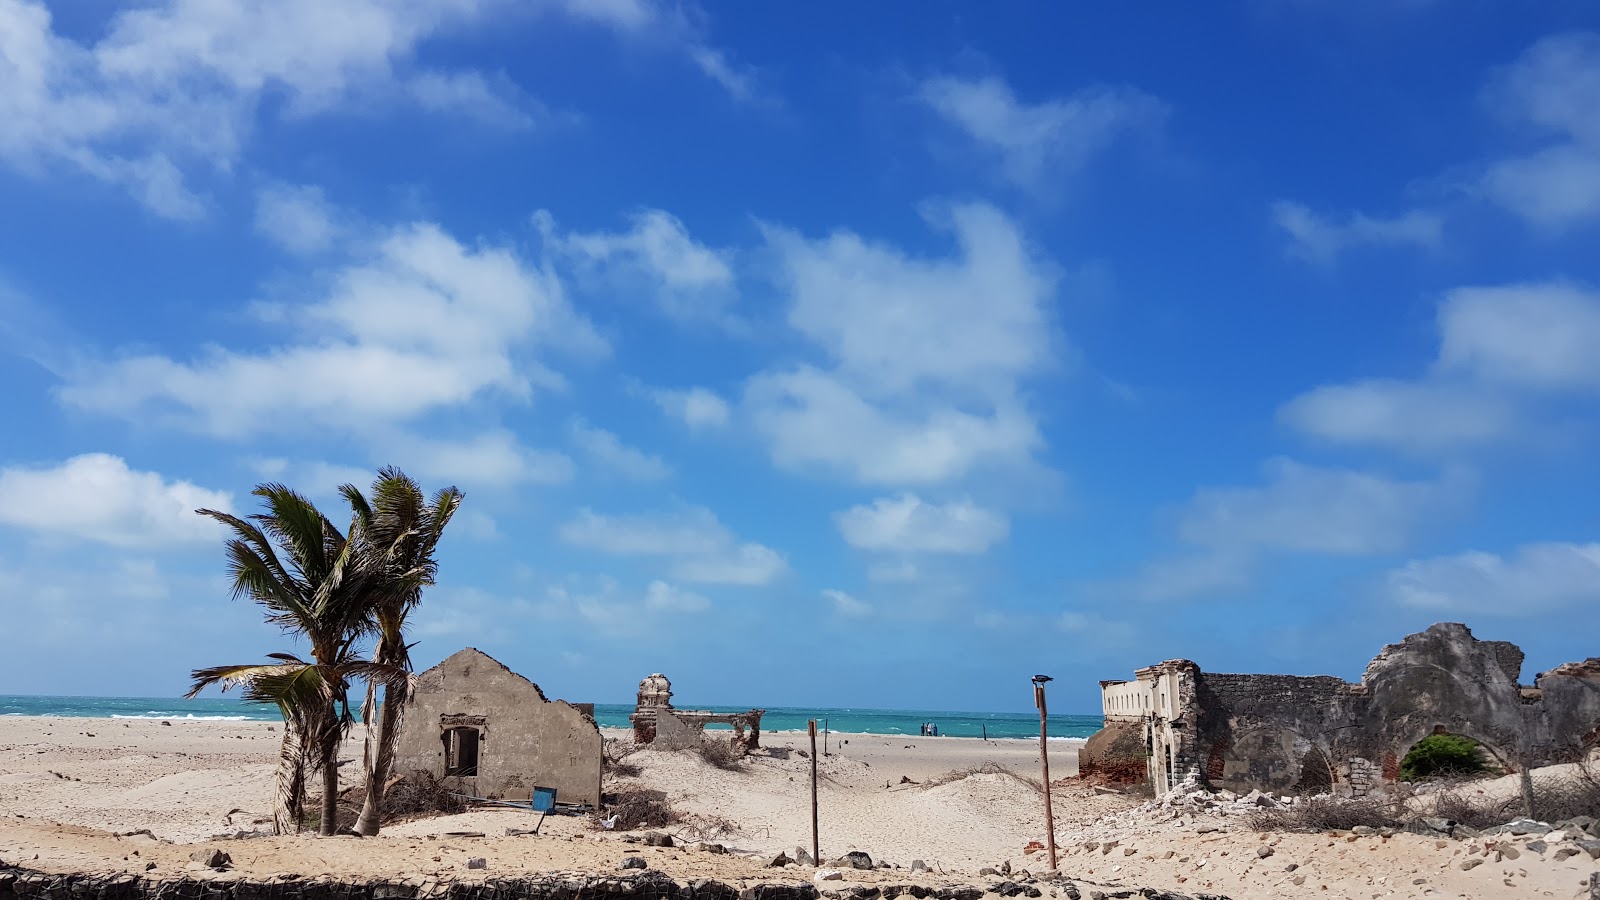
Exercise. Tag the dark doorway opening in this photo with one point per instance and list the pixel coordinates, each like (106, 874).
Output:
(461, 751)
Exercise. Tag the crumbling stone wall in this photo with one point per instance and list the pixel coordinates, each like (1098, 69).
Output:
(1299, 734)
(523, 739)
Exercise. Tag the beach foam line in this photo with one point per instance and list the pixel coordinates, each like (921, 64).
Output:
(186, 716)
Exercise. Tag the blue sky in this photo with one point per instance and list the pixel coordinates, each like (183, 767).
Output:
(818, 354)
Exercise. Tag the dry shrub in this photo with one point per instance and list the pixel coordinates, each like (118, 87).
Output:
(613, 757)
(1330, 813)
(1460, 804)
(419, 795)
(641, 808)
(1569, 795)
(706, 828)
(1556, 796)
(727, 755)
(988, 768)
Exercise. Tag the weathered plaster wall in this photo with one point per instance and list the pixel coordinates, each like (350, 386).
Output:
(672, 733)
(527, 740)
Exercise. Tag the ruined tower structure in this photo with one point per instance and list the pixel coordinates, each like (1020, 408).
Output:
(658, 724)
(1175, 725)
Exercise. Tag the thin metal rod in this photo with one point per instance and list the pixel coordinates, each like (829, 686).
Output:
(816, 854)
(1044, 760)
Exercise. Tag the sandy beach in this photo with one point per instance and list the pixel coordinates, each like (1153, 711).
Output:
(72, 790)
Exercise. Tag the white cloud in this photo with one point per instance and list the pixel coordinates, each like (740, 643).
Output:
(927, 355)
(1038, 142)
(696, 407)
(846, 605)
(495, 102)
(317, 479)
(1300, 509)
(1309, 509)
(607, 451)
(1554, 87)
(676, 26)
(1203, 574)
(748, 564)
(1415, 416)
(297, 218)
(739, 81)
(701, 548)
(422, 323)
(494, 458)
(1320, 240)
(657, 257)
(1499, 347)
(907, 524)
(1539, 578)
(178, 83)
(663, 597)
(695, 531)
(899, 572)
(97, 497)
(1537, 336)
(618, 611)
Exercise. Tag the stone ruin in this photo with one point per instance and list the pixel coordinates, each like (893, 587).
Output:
(482, 729)
(1175, 725)
(657, 724)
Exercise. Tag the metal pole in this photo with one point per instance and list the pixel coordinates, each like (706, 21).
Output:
(816, 854)
(1044, 760)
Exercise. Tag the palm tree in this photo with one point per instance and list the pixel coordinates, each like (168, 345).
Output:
(396, 534)
(300, 567)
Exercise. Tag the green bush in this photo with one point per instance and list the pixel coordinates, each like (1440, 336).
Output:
(1443, 755)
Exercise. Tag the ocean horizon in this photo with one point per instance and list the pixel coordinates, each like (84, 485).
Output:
(895, 722)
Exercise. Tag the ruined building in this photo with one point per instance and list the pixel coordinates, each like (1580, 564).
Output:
(657, 723)
(484, 730)
(1174, 723)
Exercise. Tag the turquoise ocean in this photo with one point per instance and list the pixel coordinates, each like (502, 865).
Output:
(843, 721)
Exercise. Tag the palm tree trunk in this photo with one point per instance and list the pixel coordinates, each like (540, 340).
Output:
(330, 787)
(380, 757)
(328, 740)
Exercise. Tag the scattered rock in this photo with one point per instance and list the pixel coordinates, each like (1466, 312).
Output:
(988, 870)
(1525, 826)
(779, 861)
(918, 865)
(1013, 889)
(856, 859)
(802, 857)
(828, 875)
(713, 848)
(477, 862)
(213, 858)
(1264, 851)
(657, 839)
(1443, 826)
(1590, 847)
(632, 862)
(1468, 865)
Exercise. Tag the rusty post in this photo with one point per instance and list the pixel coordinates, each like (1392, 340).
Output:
(816, 854)
(1044, 760)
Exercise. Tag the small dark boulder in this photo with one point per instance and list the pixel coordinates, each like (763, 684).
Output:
(212, 858)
